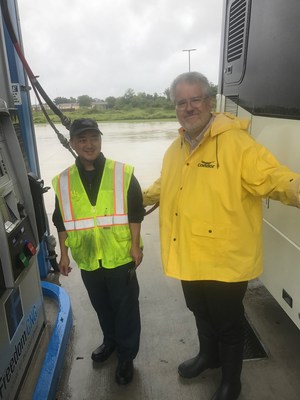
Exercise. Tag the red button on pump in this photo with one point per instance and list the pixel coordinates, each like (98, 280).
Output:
(30, 247)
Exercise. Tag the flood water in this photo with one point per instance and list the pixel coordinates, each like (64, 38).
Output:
(139, 144)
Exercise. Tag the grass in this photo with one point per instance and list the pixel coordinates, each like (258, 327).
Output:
(134, 114)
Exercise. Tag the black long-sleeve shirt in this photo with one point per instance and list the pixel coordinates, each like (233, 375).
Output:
(91, 181)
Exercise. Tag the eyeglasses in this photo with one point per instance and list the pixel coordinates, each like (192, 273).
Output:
(193, 101)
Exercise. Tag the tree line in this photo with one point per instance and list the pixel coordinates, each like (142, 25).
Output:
(129, 100)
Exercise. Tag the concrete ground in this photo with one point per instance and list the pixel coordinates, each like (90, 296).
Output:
(169, 337)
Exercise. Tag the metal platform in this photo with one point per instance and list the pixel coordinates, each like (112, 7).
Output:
(254, 349)
(272, 358)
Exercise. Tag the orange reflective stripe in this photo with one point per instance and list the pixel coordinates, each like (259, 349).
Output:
(119, 188)
(79, 224)
(64, 190)
(112, 220)
(89, 223)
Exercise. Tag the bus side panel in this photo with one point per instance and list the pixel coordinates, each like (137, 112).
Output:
(281, 223)
(260, 81)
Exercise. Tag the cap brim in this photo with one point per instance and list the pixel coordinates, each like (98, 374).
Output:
(78, 131)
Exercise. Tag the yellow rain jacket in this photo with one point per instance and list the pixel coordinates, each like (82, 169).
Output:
(210, 203)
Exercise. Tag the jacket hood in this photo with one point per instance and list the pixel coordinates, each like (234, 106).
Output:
(225, 121)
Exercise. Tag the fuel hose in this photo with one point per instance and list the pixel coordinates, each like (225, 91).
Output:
(38, 89)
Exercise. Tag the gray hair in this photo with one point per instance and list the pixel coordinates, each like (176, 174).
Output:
(190, 77)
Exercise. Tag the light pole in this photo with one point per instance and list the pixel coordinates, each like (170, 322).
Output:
(189, 51)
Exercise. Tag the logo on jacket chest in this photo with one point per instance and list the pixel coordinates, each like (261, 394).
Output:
(206, 164)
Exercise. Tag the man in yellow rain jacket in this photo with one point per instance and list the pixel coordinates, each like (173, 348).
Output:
(98, 215)
(212, 180)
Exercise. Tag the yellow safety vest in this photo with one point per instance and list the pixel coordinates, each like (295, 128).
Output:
(99, 232)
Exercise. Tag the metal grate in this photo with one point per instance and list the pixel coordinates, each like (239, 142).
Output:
(253, 348)
(236, 33)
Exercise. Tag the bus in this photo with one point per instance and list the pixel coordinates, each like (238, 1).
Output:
(259, 80)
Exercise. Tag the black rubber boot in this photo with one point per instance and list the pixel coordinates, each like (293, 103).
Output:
(208, 357)
(231, 361)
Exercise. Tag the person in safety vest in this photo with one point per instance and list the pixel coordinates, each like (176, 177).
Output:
(98, 215)
(212, 180)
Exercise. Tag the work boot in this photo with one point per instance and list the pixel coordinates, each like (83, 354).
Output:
(103, 352)
(208, 357)
(232, 361)
(124, 372)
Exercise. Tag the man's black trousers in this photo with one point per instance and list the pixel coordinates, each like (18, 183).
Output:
(218, 309)
(114, 294)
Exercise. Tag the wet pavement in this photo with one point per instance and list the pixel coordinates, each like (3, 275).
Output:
(168, 328)
(169, 337)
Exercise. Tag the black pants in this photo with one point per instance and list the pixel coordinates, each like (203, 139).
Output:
(218, 309)
(114, 295)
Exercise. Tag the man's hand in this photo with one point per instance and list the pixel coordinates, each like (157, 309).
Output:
(136, 251)
(137, 254)
(64, 265)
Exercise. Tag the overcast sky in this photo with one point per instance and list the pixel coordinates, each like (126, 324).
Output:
(103, 47)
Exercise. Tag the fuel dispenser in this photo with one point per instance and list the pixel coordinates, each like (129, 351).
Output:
(21, 302)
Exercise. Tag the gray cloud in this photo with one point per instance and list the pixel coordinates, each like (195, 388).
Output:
(102, 47)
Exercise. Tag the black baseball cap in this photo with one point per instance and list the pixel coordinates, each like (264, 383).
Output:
(83, 124)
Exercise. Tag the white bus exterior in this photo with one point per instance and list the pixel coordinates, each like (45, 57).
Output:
(260, 80)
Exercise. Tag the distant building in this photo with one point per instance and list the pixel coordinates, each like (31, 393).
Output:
(63, 106)
(97, 103)
(68, 106)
